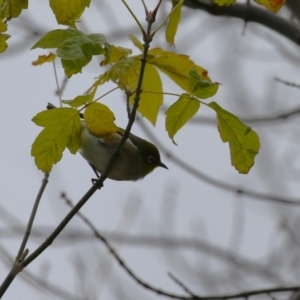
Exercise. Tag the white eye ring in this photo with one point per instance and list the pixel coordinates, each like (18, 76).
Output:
(151, 159)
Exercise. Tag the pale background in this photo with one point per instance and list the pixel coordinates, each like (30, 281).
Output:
(225, 241)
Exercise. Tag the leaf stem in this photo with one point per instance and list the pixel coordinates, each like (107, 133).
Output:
(57, 84)
(165, 19)
(134, 17)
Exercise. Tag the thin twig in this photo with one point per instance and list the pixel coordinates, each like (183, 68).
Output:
(98, 183)
(118, 257)
(134, 17)
(181, 284)
(38, 282)
(210, 180)
(32, 216)
(58, 91)
(166, 293)
(287, 83)
(22, 253)
(145, 7)
(166, 18)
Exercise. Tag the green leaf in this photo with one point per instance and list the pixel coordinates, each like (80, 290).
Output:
(74, 48)
(201, 88)
(62, 129)
(243, 141)
(78, 51)
(174, 20)
(179, 113)
(54, 38)
(67, 12)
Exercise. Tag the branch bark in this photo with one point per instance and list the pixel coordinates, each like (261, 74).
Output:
(250, 13)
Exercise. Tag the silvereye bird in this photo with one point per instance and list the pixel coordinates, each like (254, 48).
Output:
(137, 159)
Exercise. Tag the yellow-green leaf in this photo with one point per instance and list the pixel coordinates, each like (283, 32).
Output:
(176, 66)
(62, 129)
(67, 12)
(54, 38)
(3, 38)
(136, 42)
(224, 2)
(273, 5)
(43, 59)
(3, 26)
(74, 48)
(126, 74)
(243, 141)
(99, 119)
(78, 101)
(12, 8)
(174, 20)
(77, 52)
(202, 88)
(179, 113)
(117, 53)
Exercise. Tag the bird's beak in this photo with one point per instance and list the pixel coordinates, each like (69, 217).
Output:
(162, 165)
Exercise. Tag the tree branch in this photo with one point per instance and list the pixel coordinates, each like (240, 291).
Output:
(250, 13)
(215, 182)
(98, 183)
(158, 291)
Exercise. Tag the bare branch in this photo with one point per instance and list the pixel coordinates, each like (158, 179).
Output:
(250, 13)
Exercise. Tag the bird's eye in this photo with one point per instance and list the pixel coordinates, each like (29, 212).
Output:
(151, 159)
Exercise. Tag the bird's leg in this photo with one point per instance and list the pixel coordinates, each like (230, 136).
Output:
(97, 174)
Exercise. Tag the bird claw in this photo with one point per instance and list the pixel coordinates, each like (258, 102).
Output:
(94, 180)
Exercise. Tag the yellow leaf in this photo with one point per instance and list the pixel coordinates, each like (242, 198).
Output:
(150, 103)
(62, 129)
(273, 5)
(3, 38)
(179, 113)
(243, 141)
(224, 2)
(99, 119)
(126, 74)
(43, 59)
(174, 20)
(67, 12)
(3, 26)
(175, 66)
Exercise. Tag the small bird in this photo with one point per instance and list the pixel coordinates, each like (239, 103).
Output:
(137, 159)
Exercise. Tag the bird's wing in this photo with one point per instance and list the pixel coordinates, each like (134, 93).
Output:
(112, 140)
